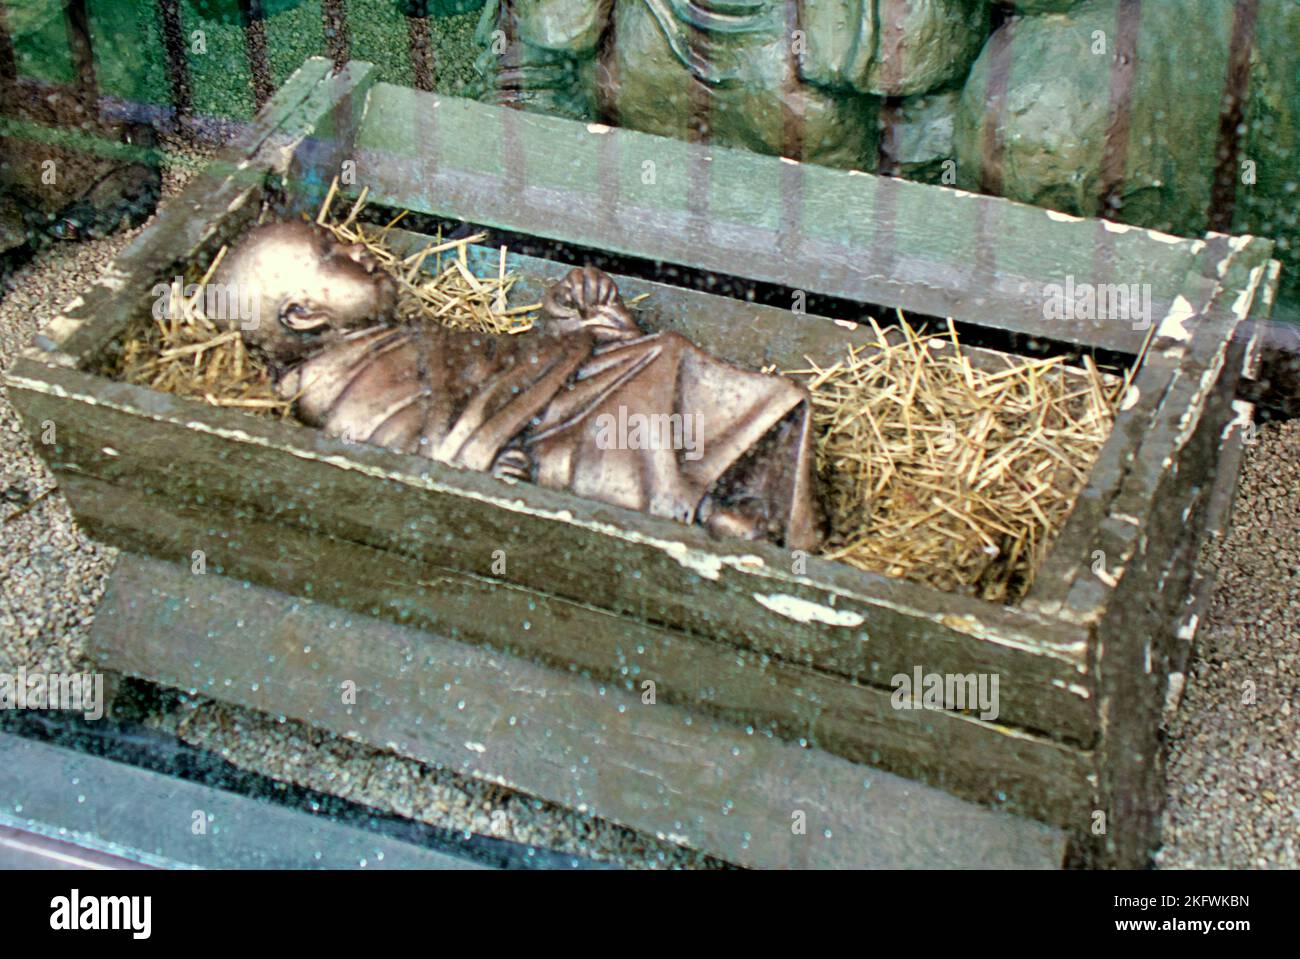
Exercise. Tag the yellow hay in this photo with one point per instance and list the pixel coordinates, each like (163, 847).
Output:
(938, 471)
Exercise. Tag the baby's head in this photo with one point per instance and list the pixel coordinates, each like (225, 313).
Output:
(296, 284)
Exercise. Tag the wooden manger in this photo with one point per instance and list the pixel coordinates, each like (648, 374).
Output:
(771, 737)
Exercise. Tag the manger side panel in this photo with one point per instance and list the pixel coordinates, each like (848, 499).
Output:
(752, 335)
(1191, 511)
(1170, 463)
(559, 737)
(974, 760)
(1197, 472)
(1217, 523)
(1224, 271)
(929, 250)
(1136, 615)
(1075, 547)
(654, 570)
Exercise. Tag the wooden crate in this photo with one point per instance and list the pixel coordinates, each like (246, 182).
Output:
(772, 687)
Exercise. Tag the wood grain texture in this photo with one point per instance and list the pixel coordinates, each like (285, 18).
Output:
(1137, 607)
(1212, 333)
(319, 158)
(560, 737)
(553, 178)
(984, 762)
(652, 569)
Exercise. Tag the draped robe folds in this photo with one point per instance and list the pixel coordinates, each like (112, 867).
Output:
(560, 403)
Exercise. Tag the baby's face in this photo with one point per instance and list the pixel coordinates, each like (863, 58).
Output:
(301, 284)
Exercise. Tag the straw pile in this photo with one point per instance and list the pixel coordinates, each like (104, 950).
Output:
(184, 352)
(931, 469)
(952, 475)
(435, 283)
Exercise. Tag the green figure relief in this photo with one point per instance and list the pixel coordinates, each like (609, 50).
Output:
(797, 79)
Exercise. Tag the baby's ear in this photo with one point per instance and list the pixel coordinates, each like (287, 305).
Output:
(304, 316)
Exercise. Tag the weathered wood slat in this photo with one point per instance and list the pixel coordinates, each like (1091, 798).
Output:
(1075, 553)
(835, 618)
(1215, 525)
(980, 761)
(1209, 356)
(753, 335)
(560, 737)
(1075, 546)
(320, 157)
(720, 209)
(1134, 606)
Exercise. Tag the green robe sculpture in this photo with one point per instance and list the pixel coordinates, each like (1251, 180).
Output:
(796, 78)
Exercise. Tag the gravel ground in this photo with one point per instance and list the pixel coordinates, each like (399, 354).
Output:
(1234, 770)
(1234, 785)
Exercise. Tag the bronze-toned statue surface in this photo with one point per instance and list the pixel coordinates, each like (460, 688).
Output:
(588, 404)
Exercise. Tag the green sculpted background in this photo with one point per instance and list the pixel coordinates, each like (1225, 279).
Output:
(1174, 114)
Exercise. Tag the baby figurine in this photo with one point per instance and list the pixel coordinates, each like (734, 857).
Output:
(588, 403)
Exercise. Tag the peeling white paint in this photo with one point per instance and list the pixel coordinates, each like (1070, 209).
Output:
(1242, 414)
(806, 611)
(114, 280)
(1112, 227)
(1060, 217)
(1250, 358)
(1083, 692)
(476, 747)
(1069, 652)
(673, 837)
(1174, 324)
(1174, 691)
(1165, 237)
(597, 128)
(1131, 397)
(847, 324)
(1270, 288)
(1246, 298)
(1191, 417)
(1187, 631)
(60, 328)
